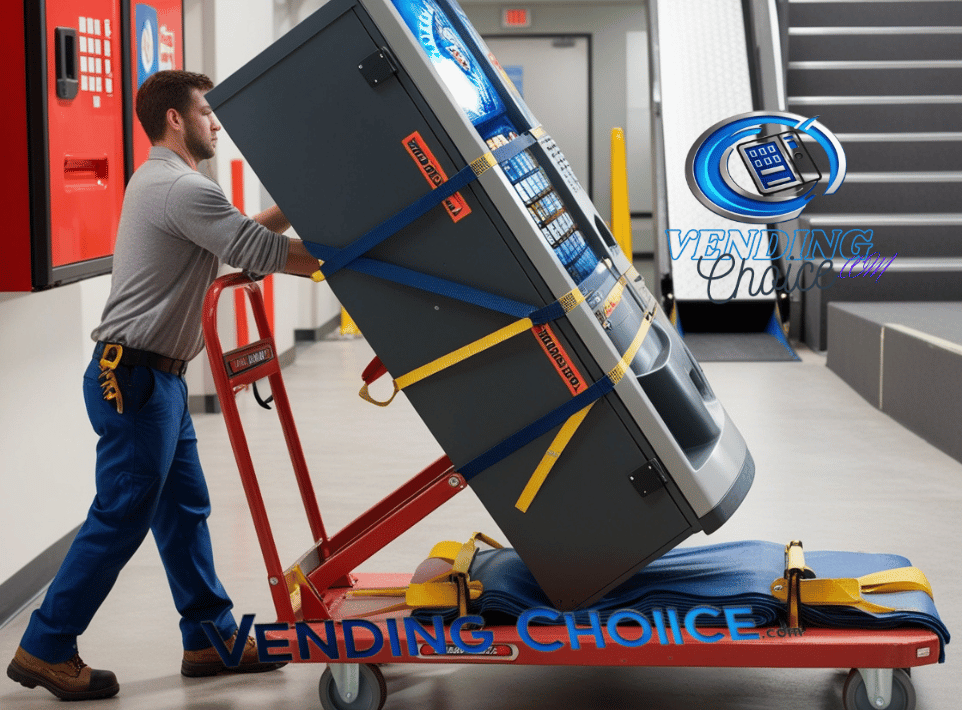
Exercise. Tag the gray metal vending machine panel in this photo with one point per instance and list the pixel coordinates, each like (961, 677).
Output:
(344, 120)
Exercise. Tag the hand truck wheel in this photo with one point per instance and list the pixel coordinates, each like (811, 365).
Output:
(371, 690)
(855, 695)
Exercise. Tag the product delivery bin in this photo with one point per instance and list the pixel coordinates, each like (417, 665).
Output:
(366, 108)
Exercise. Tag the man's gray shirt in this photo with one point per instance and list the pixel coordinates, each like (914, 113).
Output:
(175, 228)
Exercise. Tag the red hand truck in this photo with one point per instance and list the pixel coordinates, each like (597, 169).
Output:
(322, 619)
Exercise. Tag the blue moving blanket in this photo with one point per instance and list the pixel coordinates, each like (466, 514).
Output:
(728, 574)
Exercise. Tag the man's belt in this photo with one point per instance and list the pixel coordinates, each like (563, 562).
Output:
(133, 358)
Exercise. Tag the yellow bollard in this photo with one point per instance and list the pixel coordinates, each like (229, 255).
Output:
(620, 211)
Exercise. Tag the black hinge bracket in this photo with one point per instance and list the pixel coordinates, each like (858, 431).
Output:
(377, 67)
(649, 478)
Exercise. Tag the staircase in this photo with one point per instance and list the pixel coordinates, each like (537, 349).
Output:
(886, 78)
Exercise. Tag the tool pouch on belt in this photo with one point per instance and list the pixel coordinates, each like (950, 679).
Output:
(108, 376)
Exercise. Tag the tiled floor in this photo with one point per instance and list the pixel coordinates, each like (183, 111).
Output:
(831, 471)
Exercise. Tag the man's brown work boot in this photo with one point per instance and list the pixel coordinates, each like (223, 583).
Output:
(207, 661)
(70, 680)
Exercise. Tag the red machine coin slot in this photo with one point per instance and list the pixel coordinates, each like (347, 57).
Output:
(84, 173)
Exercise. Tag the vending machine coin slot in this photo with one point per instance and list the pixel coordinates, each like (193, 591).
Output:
(84, 172)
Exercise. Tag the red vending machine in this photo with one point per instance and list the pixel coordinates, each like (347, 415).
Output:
(78, 138)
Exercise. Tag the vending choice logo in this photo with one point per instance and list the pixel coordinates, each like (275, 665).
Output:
(770, 148)
(409, 637)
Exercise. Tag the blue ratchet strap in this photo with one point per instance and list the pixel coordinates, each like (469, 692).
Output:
(336, 259)
(458, 292)
(527, 317)
(559, 415)
(441, 287)
(536, 429)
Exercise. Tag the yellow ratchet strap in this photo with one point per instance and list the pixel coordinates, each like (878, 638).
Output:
(567, 431)
(842, 591)
(569, 302)
(318, 275)
(451, 588)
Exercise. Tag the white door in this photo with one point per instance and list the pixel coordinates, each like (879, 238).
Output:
(552, 74)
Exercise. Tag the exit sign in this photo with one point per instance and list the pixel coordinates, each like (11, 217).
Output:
(515, 17)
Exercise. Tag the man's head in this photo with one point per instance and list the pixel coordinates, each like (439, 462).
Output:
(171, 107)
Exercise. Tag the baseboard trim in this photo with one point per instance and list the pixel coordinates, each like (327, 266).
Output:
(312, 335)
(23, 587)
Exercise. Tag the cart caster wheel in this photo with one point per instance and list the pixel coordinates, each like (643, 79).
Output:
(855, 697)
(371, 692)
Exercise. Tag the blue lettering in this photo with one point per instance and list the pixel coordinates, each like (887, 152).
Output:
(574, 632)
(628, 615)
(772, 239)
(484, 638)
(230, 658)
(525, 619)
(737, 242)
(735, 625)
(660, 627)
(675, 628)
(676, 246)
(412, 628)
(692, 629)
(818, 240)
(305, 633)
(395, 640)
(858, 238)
(350, 645)
(264, 644)
(712, 237)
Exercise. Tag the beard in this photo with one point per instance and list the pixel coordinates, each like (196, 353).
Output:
(197, 147)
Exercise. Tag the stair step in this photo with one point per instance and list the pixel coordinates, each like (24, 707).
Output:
(854, 43)
(874, 14)
(874, 78)
(896, 284)
(910, 236)
(882, 114)
(901, 193)
(902, 152)
(903, 280)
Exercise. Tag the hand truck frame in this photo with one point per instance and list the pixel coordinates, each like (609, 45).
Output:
(315, 606)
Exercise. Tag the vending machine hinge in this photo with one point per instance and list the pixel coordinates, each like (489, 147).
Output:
(377, 67)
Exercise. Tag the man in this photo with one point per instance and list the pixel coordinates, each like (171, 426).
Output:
(175, 228)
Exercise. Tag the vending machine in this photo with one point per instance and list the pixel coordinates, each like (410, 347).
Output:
(453, 230)
(81, 139)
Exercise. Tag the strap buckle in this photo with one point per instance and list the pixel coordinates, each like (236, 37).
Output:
(799, 586)
(443, 580)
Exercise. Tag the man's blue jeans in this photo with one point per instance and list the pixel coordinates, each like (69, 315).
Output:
(148, 478)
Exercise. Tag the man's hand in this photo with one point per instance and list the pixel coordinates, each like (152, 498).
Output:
(300, 262)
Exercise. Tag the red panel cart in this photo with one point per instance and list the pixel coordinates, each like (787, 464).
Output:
(327, 612)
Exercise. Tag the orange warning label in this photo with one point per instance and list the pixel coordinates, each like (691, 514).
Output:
(562, 363)
(455, 205)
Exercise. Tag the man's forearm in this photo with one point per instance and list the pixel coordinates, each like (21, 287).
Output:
(273, 219)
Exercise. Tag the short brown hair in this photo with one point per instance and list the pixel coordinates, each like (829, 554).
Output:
(165, 90)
